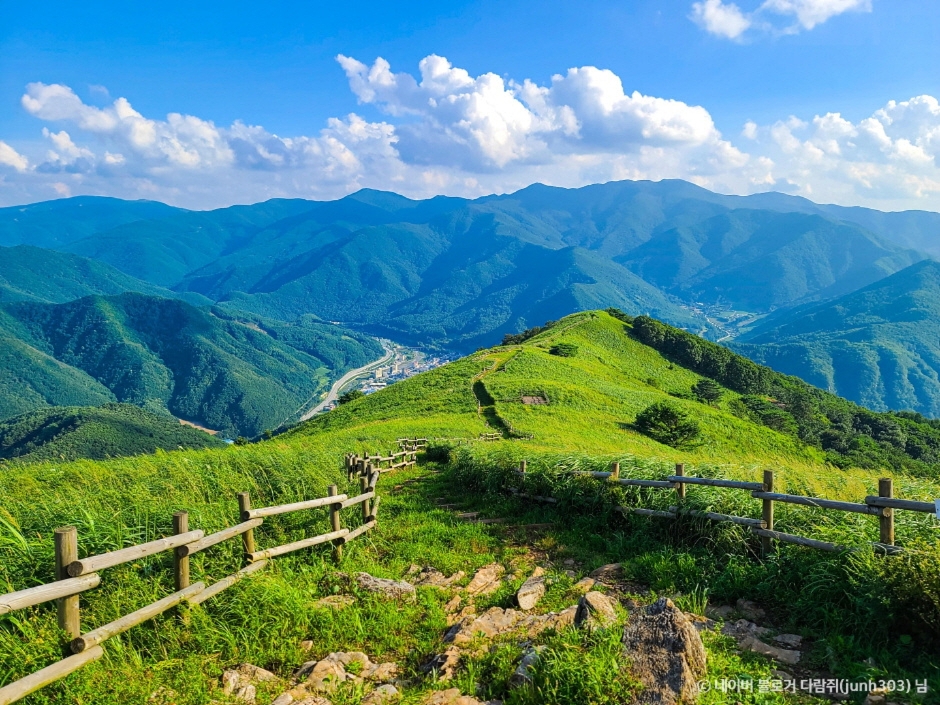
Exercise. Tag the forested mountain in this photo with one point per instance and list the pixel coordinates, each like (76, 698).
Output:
(97, 432)
(879, 346)
(238, 374)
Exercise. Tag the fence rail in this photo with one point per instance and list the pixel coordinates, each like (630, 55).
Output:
(75, 575)
(882, 506)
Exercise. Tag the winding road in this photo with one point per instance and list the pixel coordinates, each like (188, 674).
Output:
(346, 379)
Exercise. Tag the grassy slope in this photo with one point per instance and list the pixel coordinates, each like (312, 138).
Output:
(119, 502)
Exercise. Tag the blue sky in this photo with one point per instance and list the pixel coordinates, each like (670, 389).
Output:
(831, 99)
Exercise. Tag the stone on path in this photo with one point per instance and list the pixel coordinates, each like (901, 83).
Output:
(444, 664)
(494, 621)
(750, 610)
(240, 683)
(595, 609)
(666, 653)
(787, 656)
(584, 585)
(532, 590)
(486, 580)
(431, 577)
(610, 573)
(791, 641)
(385, 586)
(382, 695)
(721, 612)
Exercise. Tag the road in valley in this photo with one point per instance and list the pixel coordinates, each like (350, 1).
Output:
(346, 379)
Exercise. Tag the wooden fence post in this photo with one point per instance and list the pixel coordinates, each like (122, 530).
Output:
(180, 564)
(66, 551)
(886, 521)
(680, 486)
(615, 471)
(248, 538)
(768, 514)
(334, 521)
(522, 466)
(363, 488)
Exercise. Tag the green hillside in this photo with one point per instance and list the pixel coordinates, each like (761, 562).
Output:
(238, 374)
(879, 346)
(852, 609)
(97, 432)
(34, 274)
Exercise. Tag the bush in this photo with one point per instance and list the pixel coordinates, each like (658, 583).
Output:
(349, 396)
(707, 391)
(564, 350)
(667, 424)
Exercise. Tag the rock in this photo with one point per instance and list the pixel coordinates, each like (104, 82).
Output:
(532, 590)
(750, 610)
(568, 561)
(610, 573)
(385, 586)
(536, 624)
(722, 612)
(387, 693)
(523, 673)
(283, 699)
(412, 569)
(334, 602)
(306, 645)
(246, 693)
(381, 672)
(253, 674)
(787, 656)
(595, 609)
(494, 621)
(230, 681)
(486, 580)
(666, 652)
(791, 641)
(450, 697)
(701, 623)
(742, 628)
(453, 604)
(348, 657)
(571, 574)
(875, 697)
(431, 577)
(326, 675)
(444, 664)
(313, 700)
(584, 585)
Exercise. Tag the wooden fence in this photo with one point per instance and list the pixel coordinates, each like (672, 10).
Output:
(76, 575)
(883, 506)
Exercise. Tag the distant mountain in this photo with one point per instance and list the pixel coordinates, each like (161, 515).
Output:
(34, 274)
(879, 346)
(461, 273)
(235, 373)
(96, 432)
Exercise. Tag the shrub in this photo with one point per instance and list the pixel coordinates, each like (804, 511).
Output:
(349, 396)
(667, 424)
(707, 391)
(564, 350)
(519, 338)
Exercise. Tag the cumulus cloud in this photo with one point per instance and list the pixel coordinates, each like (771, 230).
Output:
(727, 20)
(444, 130)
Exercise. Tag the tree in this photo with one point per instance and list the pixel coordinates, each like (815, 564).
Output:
(707, 391)
(667, 424)
(564, 350)
(349, 396)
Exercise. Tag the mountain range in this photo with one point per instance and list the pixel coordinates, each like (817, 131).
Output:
(458, 274)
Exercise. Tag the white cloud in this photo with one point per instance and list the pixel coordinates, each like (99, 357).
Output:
(448, 131)
(718, 18)
(729, 21)
(11, 158)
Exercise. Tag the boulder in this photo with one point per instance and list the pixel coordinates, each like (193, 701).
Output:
(486, 580)
(595, 609)
(382, 695)
(790, 657)
(536, 624)
(666, 654)
(246, 693)
(494, 621)
(385, 586)
(381, 672)
(532, 590)
(610, 573)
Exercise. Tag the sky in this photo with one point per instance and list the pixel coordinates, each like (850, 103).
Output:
(208, 104)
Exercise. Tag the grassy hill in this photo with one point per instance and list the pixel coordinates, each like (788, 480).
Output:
(879, 346)
(238, 374)
(852, 609)
(98, 432)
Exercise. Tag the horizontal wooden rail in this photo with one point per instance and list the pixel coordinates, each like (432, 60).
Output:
(647, 512)
(44, 593)
(820, 503)
(664, 484)
(96, 636)
(224, 583)
(798, 540)
(218, 537)
(714, 516)
(93, 564)
(358, 499)
(714, 482)
(12, 692)
(910, 505)
(294, 507)
(357, 532)
(297, 545)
